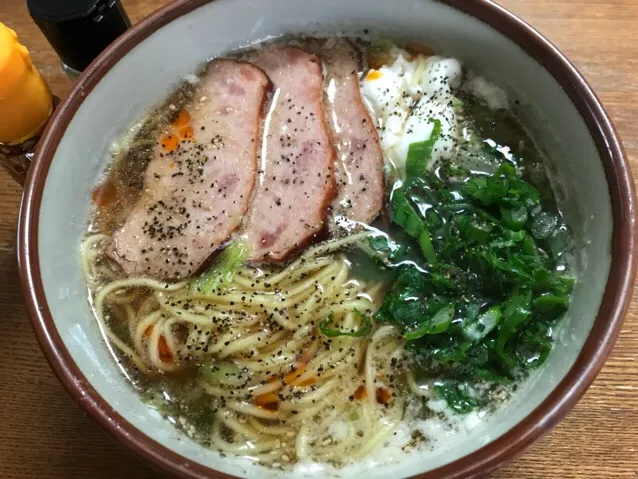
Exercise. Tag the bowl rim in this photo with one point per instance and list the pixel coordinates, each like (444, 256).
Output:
(599, 343)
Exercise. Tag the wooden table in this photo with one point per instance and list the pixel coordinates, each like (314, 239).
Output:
(44, 434)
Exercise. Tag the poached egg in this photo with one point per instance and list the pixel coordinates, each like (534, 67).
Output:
(404, 96)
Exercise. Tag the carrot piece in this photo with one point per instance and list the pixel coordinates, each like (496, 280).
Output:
(305, 383)
(148, 331)
(361, 392)
(183, 118)
(307, 356)
(383, 395)
(169, 142)
(187, 132)
(300, 367)
(164, 352)
(105, 194)
(294, 375)
(267, 401)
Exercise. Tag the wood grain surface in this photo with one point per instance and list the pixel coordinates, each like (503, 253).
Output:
(44, 434)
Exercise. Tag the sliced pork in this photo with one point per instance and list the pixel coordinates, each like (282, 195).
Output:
(297, 183)
(200, 179)
(359, 166)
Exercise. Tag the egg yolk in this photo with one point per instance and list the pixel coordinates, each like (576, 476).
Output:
(373, 75)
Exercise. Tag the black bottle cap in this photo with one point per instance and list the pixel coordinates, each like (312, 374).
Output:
(79, 30)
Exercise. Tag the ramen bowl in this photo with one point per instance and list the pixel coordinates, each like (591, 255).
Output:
(593, 186)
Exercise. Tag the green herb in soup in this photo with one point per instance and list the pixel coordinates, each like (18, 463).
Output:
(481, 303)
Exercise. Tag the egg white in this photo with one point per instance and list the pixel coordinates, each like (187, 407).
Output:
(404, 96)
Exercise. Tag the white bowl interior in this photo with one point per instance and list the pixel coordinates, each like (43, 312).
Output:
(146, 75)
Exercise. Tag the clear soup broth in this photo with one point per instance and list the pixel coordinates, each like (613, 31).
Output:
(319, 249)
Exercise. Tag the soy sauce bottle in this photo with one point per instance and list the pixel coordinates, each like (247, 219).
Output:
(79, 30)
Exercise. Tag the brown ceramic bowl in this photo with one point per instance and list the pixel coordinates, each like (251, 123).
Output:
(595, 192)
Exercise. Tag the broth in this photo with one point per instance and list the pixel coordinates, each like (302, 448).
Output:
(434, 306)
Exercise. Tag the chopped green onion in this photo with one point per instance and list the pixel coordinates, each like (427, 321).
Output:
(561, 285)
(473, 241)
(479, 232)
(516, 311)
(439, 323)
(483, 325)
(514, 218)
(405, 215)
(379, 243)
(419, 154)
(224, 268)
(457, 396)
(549, 302)
(332, 333)
(426, 247)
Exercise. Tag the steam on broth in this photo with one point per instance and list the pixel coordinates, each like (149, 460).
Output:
(315, 243)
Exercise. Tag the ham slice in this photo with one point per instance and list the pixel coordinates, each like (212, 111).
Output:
(200, 180)
(296, 184)
(359, 166)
